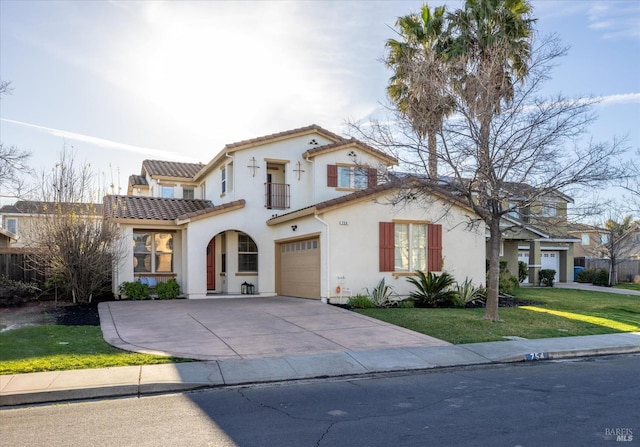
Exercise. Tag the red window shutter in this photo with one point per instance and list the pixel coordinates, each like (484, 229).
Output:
(373, 177)
(387, 246)
(434, 248)
(332, 175)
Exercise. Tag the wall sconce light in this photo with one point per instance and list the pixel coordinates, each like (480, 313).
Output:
(294, 227)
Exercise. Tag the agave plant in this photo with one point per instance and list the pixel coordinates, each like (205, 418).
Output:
(380, 294)
(433, 290)
(468, 293)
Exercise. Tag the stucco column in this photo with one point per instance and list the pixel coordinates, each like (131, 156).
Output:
(510, 254)
(566, 265)
(535, 260)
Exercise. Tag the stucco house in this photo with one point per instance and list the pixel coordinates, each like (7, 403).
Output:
(300, 213)
(537, 233)
(20, 218)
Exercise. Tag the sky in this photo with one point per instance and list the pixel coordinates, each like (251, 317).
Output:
(121, 82)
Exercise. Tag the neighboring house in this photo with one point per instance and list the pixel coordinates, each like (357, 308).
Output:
(296, 213)
(22, 216)
(591, 238)
(6, 238)
(538, 233)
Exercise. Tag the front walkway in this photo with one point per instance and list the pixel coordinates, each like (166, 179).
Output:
(242, 328)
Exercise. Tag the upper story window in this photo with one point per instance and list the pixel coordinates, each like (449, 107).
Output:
(351, 177)
(223, 176)
(513, 210)
(604, 238)
(585, 239)
(167, 192)
(188, 193)
(549, 210)
(12, 225)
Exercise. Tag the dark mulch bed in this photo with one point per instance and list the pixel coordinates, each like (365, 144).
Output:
(50, 312)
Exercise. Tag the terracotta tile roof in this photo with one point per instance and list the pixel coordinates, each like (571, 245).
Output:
(345, 143)
(38, 207)
(214, 209)
(286, 133)
(138, 180)
(171, 168)
(152, 208)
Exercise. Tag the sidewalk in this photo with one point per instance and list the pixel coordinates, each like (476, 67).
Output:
(154, 379)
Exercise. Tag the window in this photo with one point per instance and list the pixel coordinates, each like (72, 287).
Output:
(167, 192)
(188, 193)
(549, 210)
(12, 225)
(406, 247)
(230, 177)
(355, 178)
(223, 174)
(513, 210)
(410, 247)
(604, 238)
(585, 239)
(351, 177)
(247, 254)
(152, 252)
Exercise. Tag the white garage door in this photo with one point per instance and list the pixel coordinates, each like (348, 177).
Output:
(299, 268)
(551, 260)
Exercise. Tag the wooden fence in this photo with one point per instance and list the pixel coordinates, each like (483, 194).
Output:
(628, 269)
(15, 266)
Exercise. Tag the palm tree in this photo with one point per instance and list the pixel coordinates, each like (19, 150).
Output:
(418, 84)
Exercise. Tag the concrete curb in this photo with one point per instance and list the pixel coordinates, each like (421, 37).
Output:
(47, 387)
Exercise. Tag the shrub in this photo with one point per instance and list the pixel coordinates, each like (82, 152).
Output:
(360, 302)
(17, 292)
(433, 290)
(467, 293)
(587, 276)
(135, 290)
(405, 304)
(380, 294)
(601, 278)
(169, 290)
(507, 283)
(523, 271)
(546, 277)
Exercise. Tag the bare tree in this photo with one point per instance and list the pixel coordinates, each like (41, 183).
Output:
(619, 244)
(504, 142)
(70, 240)
(13, 161)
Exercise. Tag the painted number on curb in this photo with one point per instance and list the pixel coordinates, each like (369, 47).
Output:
(536, 356)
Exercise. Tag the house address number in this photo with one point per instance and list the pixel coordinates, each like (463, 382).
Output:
(537, 356)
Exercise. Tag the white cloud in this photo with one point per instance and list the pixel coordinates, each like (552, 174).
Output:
(624, 98)
(101, 142)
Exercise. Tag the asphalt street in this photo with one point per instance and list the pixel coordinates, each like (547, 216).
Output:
(582, 402)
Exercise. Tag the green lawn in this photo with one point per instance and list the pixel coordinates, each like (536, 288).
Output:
(56, 348)
(628, 286)
(573, 312)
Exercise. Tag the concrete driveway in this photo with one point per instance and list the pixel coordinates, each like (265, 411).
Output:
(218, 329)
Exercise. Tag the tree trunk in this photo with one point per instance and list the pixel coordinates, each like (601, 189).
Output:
(491, 309)
(433, 156)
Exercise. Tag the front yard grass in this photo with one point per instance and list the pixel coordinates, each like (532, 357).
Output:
(56, 348)
(566, 313)
(628, 286)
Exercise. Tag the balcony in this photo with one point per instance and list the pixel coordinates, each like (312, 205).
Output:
(276, 196)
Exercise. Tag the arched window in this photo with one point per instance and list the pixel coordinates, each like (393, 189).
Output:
(247, 254)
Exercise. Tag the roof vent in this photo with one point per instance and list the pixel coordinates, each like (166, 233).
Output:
(313, 142)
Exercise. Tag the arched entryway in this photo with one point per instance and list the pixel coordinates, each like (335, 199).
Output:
(231, 260)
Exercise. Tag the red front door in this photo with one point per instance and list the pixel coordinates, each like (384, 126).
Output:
(211, 265)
